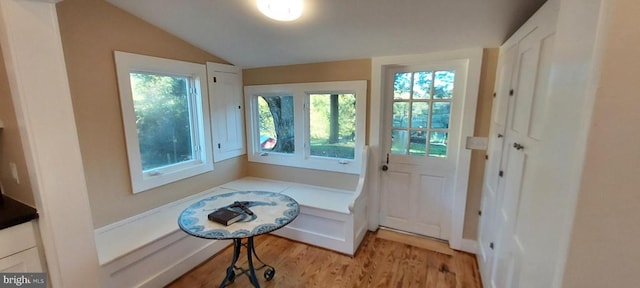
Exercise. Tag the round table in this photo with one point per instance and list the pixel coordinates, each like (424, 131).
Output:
(271, 211)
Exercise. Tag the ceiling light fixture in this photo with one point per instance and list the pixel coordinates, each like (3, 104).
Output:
(281, 10)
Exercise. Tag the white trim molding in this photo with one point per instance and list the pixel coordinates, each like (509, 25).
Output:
(32, 50)
(469, 246)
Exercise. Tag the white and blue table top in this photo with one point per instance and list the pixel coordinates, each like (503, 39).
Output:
(271, 212)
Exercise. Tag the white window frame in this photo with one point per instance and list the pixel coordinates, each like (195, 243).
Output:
(127, 63)
(302, 155)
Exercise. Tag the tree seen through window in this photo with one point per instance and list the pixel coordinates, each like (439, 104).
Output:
(161, 105)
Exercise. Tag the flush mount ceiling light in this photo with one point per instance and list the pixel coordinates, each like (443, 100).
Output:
(281, 10)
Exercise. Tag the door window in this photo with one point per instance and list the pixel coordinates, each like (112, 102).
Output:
(421, 113)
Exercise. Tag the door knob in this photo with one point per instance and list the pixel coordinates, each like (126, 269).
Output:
(385, 167)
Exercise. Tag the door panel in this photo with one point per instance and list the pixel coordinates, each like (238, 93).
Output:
(429, 202)
(540, 99)
(420, 213)
(504, 86)
(527, 72)
(396, 183)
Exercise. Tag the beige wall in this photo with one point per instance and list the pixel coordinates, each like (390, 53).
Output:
(358, 70)
(91, 30)
(603, 249)
(483, 122)
(11, 146)
(317, 72)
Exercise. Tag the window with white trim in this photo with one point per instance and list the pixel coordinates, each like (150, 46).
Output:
(165, 116)
(310, 125)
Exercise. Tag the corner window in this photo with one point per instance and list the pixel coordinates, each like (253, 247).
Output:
(309, 125)
(163, 111)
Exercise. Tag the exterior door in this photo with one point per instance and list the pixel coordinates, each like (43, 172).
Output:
(423, 122)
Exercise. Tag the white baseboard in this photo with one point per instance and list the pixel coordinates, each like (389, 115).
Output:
(469, 246)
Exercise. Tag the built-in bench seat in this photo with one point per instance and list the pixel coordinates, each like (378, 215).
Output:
(149, 249)
(331, 218)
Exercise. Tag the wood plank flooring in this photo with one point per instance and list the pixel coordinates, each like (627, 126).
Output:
(378, 263)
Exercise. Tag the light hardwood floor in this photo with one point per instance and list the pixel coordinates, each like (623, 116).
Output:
(378, 263)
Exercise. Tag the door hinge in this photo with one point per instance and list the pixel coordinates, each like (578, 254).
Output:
(387, 158)
(486, 157)
(479, 212)
(494, 94)
(511, 92)
(491, 245)
(518, 146)
(501, 173)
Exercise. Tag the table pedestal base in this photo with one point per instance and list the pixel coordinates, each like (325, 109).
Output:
(251, 270)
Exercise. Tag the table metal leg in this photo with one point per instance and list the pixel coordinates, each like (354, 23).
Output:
(231, 274)
(251, 270)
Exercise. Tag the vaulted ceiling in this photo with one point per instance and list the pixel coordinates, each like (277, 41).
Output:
(332, 30)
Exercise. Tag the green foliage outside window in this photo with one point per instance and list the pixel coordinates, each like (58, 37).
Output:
(332, 135)
(161, 105)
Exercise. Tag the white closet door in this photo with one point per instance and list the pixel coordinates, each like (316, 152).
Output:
(227, 110)
(486, 236)
(522, 141)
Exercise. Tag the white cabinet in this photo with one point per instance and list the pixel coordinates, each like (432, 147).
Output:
(18, 249)
(514, 144)
(227, 110)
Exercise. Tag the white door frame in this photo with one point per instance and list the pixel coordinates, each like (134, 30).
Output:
(378, 67)
(33, 55)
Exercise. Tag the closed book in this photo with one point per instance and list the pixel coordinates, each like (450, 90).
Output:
(225, 216)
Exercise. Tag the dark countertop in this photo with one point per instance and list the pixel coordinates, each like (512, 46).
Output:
(14, 213)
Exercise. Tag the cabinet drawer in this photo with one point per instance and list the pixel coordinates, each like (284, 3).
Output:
(23, 262)
(17, 238)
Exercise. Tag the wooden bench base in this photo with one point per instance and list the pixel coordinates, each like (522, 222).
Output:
(325, 218)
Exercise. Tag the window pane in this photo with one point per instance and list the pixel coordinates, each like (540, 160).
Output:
(399, 142)
(418, 143)
(275, 124)
(422, 85)
(402, 86)
(438, 144)
(419, 114)
(161, 104)
(441, 115)
(400, 114)
(332, 125)
(443, 85)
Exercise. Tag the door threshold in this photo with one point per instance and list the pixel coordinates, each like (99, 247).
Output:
(416, 240)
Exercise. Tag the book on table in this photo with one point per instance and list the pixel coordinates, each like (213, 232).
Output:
(225, 216)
